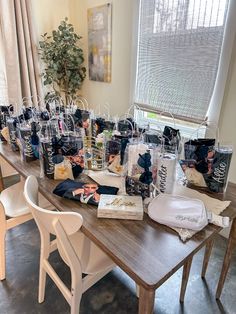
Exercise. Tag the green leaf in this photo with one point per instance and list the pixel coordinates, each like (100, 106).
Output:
(63, 59)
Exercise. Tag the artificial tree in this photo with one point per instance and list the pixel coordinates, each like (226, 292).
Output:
(63, 61)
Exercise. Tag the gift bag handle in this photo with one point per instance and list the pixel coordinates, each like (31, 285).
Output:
(10, 113)
(158, 132)
(201, 125)
(83, 101)
(80, 101)
(132, 127)
(107, 107)
(170, 114)
(133, 106)
(57, 101)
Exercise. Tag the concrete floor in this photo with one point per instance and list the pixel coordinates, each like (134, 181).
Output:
(115, 293)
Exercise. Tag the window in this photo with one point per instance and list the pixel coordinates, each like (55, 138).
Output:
(179, 47)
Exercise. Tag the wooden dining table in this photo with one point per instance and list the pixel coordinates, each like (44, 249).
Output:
(148, 252)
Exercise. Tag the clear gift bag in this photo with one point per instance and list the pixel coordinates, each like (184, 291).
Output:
(49, 136)
(6, 111)
(12, 131)
(207, 162)
(81, 116)
(116, 148)
(58, 144)
(28, 129)
(141, 165)
(169, 135)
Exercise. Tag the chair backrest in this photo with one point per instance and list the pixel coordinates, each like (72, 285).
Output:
(62, 225)
(45, 219)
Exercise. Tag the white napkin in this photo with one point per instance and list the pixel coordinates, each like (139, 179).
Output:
(106, 178)
(213, 205)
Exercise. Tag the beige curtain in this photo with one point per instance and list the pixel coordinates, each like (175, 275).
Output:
(20, 49)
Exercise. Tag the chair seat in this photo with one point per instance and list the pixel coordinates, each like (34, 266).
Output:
(93, 259)
(13, 200)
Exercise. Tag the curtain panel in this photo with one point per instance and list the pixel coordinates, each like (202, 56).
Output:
(20, 50)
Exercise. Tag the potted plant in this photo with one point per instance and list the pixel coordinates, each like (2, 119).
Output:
(63, 61)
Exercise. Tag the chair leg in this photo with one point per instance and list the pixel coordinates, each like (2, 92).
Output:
(42, 283)
(1, 181)
(75, 302)
(207, 255)
(2, 255)
(44, 254)
(2, 243)
(186, 271)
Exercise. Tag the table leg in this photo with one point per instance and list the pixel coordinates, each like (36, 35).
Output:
(227, 259)
(1, 180)
(186, 271)
(207, 255)
(146, 300)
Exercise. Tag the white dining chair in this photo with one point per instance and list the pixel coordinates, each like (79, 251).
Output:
(76, 250)
(14, 211)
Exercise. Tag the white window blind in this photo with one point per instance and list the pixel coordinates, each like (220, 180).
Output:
(179, 46)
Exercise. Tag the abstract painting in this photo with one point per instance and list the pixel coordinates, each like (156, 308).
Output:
(99, 43)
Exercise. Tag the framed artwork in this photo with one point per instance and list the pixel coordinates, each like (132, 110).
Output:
(99, 43)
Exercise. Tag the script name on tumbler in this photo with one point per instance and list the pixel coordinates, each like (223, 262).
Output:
(162, 174)
(219, 173)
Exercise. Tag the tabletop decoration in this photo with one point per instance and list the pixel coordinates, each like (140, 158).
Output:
(120, 207)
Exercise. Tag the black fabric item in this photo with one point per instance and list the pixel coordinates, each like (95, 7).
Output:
(101, 125)
(124, 142)
(28, 113)
(70, 145)
(113, 147)
(57, 159)
(80, 116)
(146, 177)
(34, 136)
(171, 136)
(68, 187)
(55, 146)
(152, 138)
(144, 161)
(76, 170)
(199, 150)
(44, 115)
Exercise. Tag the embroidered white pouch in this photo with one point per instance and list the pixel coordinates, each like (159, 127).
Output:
(178, 211)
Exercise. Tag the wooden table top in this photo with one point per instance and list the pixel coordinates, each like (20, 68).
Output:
(147, 251)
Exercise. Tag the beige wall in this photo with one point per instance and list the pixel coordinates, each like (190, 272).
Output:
(49, 13)
(116, 93)
(228, 114)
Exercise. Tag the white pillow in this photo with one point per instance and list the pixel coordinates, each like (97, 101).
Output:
(178, 211)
